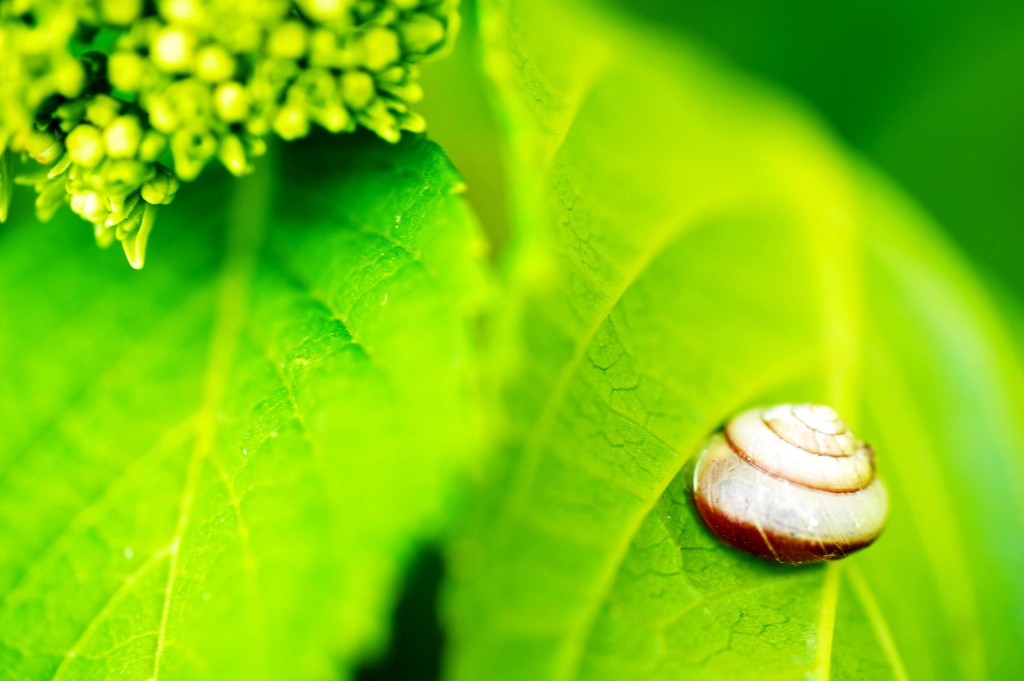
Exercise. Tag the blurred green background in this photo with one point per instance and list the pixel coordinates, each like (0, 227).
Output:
(929, 92)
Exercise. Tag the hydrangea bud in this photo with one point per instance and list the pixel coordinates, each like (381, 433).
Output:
(127, 71)
(85, 145)
(231, 102)
(160, 189)
(160, 89)
(120, 12)
(122, 137)
(214, 64)
(174, 49)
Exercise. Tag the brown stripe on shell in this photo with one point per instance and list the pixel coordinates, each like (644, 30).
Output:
(828, 444)
(770, 545)
(811, 426)
(738, 451)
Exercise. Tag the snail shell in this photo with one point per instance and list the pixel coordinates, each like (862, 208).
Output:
(790, 483)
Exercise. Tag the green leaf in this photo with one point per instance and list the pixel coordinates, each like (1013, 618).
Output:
(925, 90)
(690, 244)
(217, 467)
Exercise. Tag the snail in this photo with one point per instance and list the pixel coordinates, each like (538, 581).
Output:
(790, 483)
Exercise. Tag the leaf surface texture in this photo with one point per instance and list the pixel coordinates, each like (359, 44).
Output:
(690, 244)
(216, 468)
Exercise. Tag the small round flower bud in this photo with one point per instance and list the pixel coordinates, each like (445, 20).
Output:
(69, 78)
(214, 64)
(231, 102)
(126, 71)
(380, 48)
(152, 146)
(162, 114)
(160, 189)
(180, 11)
(122, 137)
(335, 118)
(120, 12)
(288, 41)
(386, 129)
(174, 50)
(257, 126)
(398, 73)
(102, 110)
(85, 145)
(291, 122)
(44, 147)
(414, 122)
(90, 205)
(357, 87)
(421, 33)
(232, 155)
(123, 175)
(325, 10)
(411, 92)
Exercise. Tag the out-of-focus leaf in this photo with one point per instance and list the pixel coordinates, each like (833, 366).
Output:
(462, 122)
(216, 468)
(928, 95)
(689, 244)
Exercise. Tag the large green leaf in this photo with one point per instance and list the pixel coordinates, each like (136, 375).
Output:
(217, 467)
(689, 244)
(929, 101)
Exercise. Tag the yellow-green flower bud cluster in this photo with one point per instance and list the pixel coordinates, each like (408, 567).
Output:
(99, 157)
(36, 63)
(163, 87)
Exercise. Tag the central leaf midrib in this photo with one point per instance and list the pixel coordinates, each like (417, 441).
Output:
(248, 215)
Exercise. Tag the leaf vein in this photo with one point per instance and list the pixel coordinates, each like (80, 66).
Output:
(247, 222)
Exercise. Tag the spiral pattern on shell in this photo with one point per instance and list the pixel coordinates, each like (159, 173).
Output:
(790, 483)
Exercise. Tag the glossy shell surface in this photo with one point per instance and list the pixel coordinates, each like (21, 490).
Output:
(791, 484)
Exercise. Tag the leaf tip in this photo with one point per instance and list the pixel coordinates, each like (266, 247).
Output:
(134, 243)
